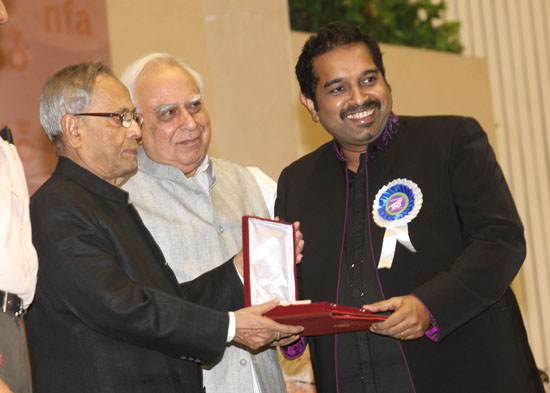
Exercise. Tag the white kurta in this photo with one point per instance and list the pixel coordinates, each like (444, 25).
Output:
(18, 260)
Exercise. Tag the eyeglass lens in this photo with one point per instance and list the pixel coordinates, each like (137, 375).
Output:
(127, 118)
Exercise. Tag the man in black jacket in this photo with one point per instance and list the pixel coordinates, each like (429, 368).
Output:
(109, 314)
(410, 216)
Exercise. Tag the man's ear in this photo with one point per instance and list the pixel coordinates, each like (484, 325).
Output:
(70, 124)
(308, 103)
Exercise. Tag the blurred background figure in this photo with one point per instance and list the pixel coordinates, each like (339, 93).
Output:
(18, 263)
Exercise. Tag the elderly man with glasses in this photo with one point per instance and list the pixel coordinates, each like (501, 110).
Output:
(109, 314)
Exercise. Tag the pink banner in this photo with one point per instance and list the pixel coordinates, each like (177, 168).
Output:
(40, 38)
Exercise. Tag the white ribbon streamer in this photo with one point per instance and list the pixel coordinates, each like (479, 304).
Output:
(391, 237)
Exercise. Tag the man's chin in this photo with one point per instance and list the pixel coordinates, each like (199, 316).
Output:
(130, 167)
(366, 125)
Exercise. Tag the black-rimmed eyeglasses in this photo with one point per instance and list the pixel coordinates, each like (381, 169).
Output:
(125, 118)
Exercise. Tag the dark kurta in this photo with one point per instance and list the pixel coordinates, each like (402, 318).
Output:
(469, 242)
(109, 315)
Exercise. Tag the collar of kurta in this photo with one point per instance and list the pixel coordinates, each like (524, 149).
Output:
(171, 173)
(69, 169)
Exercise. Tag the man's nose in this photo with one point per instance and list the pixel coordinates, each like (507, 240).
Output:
(134, 131)
(188, 121)
(3, 13)
(357, 95)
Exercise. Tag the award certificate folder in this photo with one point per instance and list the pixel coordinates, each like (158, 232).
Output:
(269, 257)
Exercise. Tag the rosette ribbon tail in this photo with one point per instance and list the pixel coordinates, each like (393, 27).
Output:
(391, 237)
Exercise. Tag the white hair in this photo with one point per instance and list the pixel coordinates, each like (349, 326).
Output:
(69, 90)
(134, 70)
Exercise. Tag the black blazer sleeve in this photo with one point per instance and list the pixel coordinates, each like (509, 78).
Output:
(97, 265)
(220, 288)
(494, 246)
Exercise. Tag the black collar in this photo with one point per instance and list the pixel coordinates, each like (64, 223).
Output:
(69, 169)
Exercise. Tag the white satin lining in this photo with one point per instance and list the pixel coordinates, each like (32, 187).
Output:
(271, 261)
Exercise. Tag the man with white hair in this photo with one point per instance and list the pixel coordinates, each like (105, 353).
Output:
(193, 203)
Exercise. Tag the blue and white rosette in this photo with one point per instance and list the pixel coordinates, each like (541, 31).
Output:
(395, 205)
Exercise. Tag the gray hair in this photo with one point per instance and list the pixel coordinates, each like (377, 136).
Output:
(134, 70)
(68, 91)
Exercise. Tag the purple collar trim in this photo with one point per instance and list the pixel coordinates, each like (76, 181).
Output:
(381, 143)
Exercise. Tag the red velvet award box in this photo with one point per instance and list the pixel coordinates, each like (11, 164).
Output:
(270, 271)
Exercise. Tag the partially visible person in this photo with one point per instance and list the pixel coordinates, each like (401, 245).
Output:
(18, 265)
(3, 13)
(409, 215)
(109, 315)
(193, 203)
(298, 373)
(4, 388)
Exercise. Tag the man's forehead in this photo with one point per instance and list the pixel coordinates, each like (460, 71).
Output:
(108, 83)
(164, 72)
(342, 58)
(166, 82)
(108, 89)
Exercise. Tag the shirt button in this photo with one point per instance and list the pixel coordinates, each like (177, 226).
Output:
(220, 229)
(352, 265)
(243, 362)
(197, 192)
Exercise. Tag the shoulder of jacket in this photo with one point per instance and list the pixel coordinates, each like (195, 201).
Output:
(437, 127)
(315, 156)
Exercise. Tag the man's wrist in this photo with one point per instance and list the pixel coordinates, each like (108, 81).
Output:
(295, 350)
(238, 271)
(232, 327)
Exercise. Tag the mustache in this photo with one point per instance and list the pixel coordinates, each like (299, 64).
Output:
(360, 108)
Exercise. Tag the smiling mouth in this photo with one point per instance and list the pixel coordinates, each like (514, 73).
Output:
(361, 112)
(360, 115)
(188, 142)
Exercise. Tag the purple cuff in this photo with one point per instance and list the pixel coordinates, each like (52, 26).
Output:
(433, 330)
(295, 350)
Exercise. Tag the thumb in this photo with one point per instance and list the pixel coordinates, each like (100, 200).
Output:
(378, 306)
(261, 309)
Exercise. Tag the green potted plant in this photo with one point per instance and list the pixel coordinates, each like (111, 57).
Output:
(401, 22)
